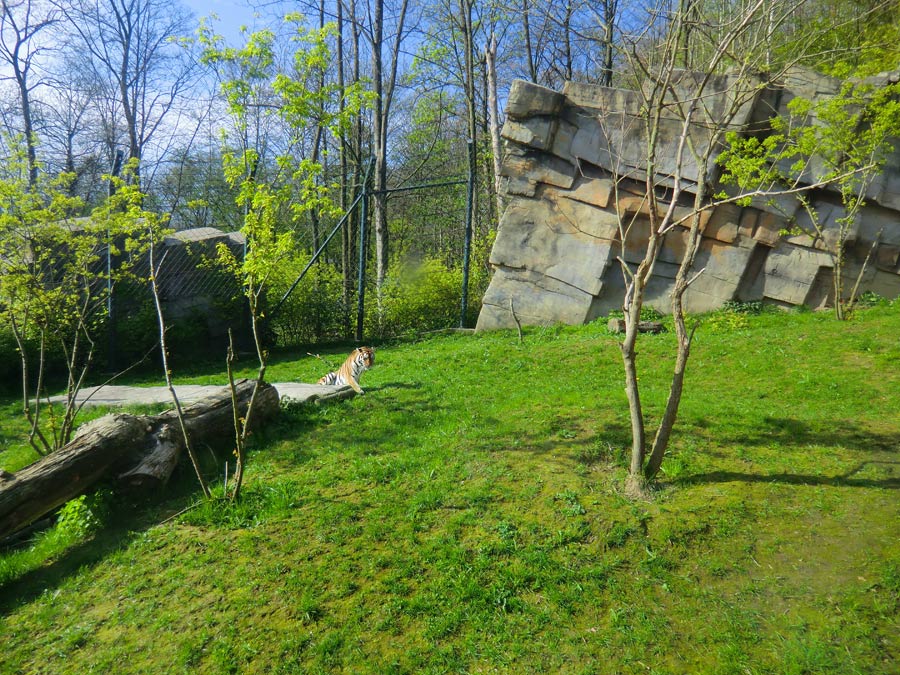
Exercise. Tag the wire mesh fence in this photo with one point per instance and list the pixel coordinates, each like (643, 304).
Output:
(200, 300)
(315, 297)
(330, 300)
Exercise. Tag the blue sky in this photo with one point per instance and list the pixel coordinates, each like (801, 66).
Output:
(232, 15)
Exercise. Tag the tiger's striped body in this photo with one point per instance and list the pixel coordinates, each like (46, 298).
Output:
(359, 361)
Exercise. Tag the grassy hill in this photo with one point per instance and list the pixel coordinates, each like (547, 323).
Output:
(467, 515)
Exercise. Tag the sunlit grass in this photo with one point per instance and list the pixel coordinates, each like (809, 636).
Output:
(467, 515)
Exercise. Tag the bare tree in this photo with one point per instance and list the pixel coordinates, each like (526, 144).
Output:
(21, 22)
(384, 82)
(72, 140)
(559, 42)
(132, 46)
(606, 16)
(490, 65)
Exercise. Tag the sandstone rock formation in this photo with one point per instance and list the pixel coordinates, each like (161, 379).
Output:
(572, 168)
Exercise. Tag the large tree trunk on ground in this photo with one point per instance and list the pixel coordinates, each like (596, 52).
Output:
(66, 473)
(138, 451)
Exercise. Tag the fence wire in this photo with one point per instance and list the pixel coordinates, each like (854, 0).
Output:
(200, 300)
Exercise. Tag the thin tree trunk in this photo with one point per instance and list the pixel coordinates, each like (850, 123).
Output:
(838, 277)
(633, 301)
(30, 141)
(567, 42)
(380, 215)
(632, 392)
(154, 272)
(319, 138)
(529, 52)
(384, 92)
(664, 431)
(490, 54)
(346, 257)
(609, 17)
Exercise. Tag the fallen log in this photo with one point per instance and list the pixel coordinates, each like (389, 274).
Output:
(208, 421)
(138, 451)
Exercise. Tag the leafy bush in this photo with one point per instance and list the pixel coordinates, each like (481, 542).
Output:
(873, 299)
(10, 366)
(726, 321)
(314, 311)
(83, 516)
(417, 297)
(647, 314)
(754, 307)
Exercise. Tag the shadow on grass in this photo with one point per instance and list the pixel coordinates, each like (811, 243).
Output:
(33, 584)
(791, 432)
(133, 517)
(568, 438)
(794, 435)
(136, 515)
(394, 385)
(841, 480)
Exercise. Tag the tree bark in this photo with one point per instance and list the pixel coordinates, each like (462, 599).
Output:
(529, 52)
(383, 85)
(138, 451)
(609, 17)
(50, 482)
(490, 59)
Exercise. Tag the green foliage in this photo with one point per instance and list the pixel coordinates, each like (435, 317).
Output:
(10, 365)
(647, 314)
(844, 38)
(872, 299)
(734, 316)
(314, 311)
(741, 307)
(277, 196)
(726, 321)
(850, 134)
(55, 276)
(417, 296)
(84, 515)
(841, 142)
(79, 519)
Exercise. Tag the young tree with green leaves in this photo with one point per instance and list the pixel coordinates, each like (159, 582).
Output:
(841, 142)
(275, 202)
(55, 279)
(678, 126)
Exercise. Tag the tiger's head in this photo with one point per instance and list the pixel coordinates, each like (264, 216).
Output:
(368, 356)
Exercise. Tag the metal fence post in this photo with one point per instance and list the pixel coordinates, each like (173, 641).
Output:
(361, 285)
(112, 332)
(467, 247)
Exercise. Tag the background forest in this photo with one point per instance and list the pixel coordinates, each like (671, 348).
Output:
(327, 96)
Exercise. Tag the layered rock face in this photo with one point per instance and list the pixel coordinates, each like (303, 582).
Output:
(571, 175)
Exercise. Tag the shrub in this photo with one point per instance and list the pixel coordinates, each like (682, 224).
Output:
(314, 311)
(417, 296)
(83, 515)
(647, 314)
(10, 365)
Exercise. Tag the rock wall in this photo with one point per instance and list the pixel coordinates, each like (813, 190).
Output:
(572, 169)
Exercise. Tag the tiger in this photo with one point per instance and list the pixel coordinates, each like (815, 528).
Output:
(359, 361)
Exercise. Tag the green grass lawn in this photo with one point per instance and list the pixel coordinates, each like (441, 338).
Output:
(467, 515)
